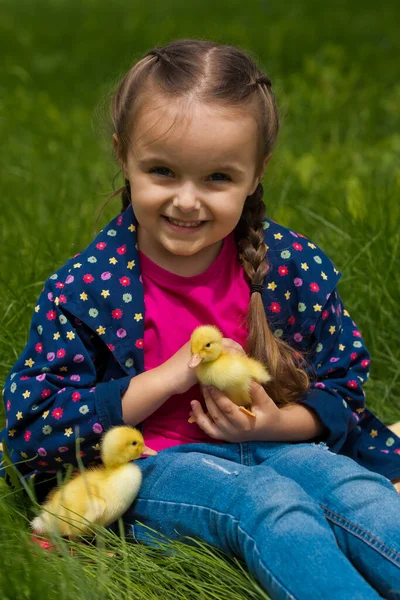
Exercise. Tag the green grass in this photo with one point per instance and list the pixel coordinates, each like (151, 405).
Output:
(335, 177)
(167, 570)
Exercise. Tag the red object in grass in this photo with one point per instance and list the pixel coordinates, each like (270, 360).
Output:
(39, 541)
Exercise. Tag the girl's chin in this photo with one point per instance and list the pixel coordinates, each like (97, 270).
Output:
(182, 247)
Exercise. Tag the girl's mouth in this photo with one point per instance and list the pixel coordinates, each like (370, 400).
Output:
(184, 226)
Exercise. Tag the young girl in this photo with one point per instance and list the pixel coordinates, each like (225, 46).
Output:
(194, 126)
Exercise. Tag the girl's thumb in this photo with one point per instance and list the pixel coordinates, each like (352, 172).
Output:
(259, 395)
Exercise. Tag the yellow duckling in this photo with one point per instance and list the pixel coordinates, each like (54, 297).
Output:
(230, 373)
(99, 495)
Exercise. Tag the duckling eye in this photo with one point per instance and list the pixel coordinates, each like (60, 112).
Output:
(208, 345)
(134, 443)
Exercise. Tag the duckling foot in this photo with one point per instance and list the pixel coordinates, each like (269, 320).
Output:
(193, 420)
(42, 542)
(247, 412)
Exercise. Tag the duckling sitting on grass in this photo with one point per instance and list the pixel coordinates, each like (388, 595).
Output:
(230, 373)
(99, 495)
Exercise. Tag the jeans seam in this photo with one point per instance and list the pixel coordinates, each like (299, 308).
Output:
(241, 453)
(362, 534)
(288, 595)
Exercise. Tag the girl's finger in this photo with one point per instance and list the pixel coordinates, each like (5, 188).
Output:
(231, 412)
(233, 346)
(197, 409)
(215, 412)
(259, 396)
(204, 421)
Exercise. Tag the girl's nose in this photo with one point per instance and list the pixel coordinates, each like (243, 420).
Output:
(186, 199)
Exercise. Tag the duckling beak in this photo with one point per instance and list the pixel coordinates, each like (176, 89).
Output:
(148, 451)
(194, 361)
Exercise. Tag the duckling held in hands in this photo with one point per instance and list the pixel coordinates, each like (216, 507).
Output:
(230, 373)
(99, 495)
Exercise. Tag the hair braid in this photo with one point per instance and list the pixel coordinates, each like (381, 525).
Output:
(289, 382)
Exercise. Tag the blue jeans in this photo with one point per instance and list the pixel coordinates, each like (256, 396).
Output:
(307, 522)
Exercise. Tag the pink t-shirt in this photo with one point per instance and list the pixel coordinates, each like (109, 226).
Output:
(174, 306)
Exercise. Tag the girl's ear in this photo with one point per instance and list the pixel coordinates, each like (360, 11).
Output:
(117, 151)
(115, 144)
(266, 161)
(262, 173)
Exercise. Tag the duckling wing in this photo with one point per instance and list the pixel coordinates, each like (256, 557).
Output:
(90, 487)
(111, 492)
(232, 370)
(226, 371)
(69, 508)
(95, 510)
(82, 499)
(257, 370)
(233, 374)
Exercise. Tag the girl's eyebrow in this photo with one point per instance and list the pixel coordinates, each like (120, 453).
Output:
(232, 167)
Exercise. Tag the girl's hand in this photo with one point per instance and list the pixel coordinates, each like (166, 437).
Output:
(232, 347)
(179, 377)
(225, 421)
(396, 483)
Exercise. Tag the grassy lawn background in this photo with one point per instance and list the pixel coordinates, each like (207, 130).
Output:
(335, 177)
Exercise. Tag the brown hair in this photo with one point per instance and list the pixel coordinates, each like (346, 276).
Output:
(224, 75)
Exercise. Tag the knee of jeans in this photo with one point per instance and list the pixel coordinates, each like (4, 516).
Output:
(278, 499)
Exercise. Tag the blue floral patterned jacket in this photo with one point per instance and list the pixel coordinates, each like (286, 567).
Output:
(86, 343)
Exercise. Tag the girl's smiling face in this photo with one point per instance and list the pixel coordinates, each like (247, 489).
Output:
(194, 167)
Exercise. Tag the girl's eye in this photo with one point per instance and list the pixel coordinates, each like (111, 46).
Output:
(164, 171)
(161, 170)
(221, 176)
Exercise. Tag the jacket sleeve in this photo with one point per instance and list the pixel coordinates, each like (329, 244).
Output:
(341, 365)
(57, 404)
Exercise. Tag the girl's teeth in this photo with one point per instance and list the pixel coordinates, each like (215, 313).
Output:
(181, 224)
